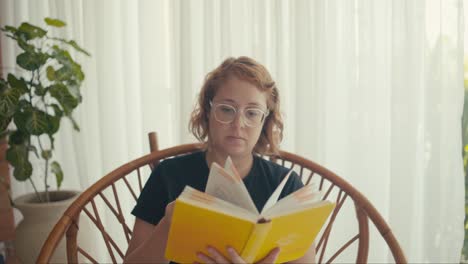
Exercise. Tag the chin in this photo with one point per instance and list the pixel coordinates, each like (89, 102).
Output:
(236, 152)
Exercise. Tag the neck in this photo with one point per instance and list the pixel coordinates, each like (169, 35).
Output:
(243, 164)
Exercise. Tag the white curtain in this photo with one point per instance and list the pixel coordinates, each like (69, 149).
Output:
(371, 89)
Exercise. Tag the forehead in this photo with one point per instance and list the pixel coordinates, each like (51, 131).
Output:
(240, 92)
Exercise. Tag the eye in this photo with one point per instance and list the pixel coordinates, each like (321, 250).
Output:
(253, 113)
(226, 109)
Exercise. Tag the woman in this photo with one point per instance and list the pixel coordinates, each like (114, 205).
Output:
(238, 116)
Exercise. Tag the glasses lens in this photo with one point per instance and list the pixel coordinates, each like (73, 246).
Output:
(225, 113)
(253, 116)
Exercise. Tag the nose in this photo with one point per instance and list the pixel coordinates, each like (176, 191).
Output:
(239, 120)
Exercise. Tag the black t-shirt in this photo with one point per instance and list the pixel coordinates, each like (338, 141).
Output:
(169, 178)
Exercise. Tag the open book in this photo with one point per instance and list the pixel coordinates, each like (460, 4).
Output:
(225, 215)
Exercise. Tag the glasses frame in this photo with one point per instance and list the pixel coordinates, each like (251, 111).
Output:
(213, 105)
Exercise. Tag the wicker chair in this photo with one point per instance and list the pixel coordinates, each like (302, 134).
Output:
(129, 177)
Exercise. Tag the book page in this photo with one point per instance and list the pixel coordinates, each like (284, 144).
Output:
(276, 194)
(228, 186)
(203, 200)
(306, 197)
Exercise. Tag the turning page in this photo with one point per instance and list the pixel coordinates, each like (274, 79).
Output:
(227, 185)
(276, 194)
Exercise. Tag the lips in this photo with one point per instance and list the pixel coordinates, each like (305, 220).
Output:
(236, 137)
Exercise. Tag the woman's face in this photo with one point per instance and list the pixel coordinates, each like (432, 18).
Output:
(236, 139)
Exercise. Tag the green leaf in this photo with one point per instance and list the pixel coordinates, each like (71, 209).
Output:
(54, 22)
(74, 45)
(78, 72)
(40, 90)
(63, 57)
(9, 100)
(23, 44)
(5, 133)
(51, 140)
(20, 83)
(36, 123)
(18, 137)
(78, 48)
(74, 88)
(10, 29)
(20, 117)
(63, 74)
(46, 154)
(57, 111)
(23, 172)
(3, 84)
(53, 124)
(50, 73)
(33, 149)
(23, 106)
(4, 123)
(17, 155)
(70, 72)
(32, 120)
(74, 123)
(57, 170)
(64, 97)
(27, 31)
(31, 60)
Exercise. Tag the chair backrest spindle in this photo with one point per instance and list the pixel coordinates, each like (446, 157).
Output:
(153, 142)
(72, 245)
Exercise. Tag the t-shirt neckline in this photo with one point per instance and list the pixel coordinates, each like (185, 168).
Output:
(245, 179)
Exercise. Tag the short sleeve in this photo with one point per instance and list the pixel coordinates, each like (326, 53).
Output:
(294, 183)
(151, 204)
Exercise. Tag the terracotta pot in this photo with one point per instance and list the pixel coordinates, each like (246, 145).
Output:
(39, 219)
(7, 226)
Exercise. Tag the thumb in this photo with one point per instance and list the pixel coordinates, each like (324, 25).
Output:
(169, 211)
(271, 257)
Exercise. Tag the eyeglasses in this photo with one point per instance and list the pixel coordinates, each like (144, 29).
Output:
(224, 113)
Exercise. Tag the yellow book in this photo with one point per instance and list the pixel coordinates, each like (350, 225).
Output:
(225, 215)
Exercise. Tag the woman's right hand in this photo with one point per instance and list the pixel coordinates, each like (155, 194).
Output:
(216, 256)
(148, 242)
(167, 218)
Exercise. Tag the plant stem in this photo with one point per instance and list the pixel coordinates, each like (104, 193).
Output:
(46, 172)
(29, 91)
(32, 183)
(35, 190)
(45, 181)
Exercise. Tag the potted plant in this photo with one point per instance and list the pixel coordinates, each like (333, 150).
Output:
(33, 101)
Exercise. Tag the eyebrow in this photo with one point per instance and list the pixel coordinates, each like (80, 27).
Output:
(234, 102)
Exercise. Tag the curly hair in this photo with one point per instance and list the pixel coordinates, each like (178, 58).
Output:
(246, 69)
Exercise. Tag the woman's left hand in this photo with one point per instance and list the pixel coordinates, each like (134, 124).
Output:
(216, 257)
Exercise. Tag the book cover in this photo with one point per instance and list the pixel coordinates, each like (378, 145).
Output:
(201, 219)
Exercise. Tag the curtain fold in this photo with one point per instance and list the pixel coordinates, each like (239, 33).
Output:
(372, 90)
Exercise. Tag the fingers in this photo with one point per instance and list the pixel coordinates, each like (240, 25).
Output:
(204, 258)
(170, 208)
(169, 211)
(214, 256)
(271, 257)
(235, 257)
